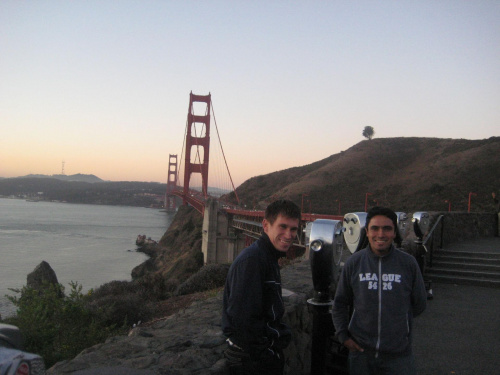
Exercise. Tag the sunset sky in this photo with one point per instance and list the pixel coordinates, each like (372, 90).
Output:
(104, 85)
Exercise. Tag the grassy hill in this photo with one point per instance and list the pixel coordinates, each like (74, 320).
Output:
(406, 174)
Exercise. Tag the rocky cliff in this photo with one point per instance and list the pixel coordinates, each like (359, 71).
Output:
(191, 340)
(177, 255)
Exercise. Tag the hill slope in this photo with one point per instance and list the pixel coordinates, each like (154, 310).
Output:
(407, 174)
(128, 193)
(75, 177)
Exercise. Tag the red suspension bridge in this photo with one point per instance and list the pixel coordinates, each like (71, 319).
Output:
(197, 151)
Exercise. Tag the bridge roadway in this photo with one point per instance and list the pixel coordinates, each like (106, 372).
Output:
(218, 245)
(196, 199)
(260, 215)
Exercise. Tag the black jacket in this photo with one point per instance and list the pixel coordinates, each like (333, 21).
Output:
(252, 304)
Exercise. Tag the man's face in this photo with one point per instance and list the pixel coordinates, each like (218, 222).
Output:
(381, 233)
(282, 232)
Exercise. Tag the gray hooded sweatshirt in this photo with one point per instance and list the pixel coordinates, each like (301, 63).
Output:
(385, 294)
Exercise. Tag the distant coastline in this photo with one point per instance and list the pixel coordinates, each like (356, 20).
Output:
(88, 189)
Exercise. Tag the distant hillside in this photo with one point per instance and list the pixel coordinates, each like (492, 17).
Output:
(75, 177)
(125, 193)
(212, 191)
(407, 174)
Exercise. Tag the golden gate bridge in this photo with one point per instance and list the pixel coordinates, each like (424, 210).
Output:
(195, 167)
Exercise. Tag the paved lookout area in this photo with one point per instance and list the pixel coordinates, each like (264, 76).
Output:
(459, 333)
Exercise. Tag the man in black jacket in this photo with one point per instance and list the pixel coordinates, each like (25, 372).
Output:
(252, 305)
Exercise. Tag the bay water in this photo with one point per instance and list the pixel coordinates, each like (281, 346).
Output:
(88, 244)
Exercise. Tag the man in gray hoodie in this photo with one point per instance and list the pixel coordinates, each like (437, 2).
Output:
(383, 288)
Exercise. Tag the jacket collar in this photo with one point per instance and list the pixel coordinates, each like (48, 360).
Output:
(391, 251)
(270, 247)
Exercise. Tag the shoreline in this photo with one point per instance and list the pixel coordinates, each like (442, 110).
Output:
(86, 243)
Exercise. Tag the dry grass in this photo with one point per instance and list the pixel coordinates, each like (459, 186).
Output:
(407, 174)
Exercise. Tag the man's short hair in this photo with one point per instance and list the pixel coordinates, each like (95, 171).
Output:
(282, 207)
(384, 211)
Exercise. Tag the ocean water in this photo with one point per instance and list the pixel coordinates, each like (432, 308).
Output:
(89, 244)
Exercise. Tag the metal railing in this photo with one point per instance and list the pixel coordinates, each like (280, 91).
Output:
(432, 235)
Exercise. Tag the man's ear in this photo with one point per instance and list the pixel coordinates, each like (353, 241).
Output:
(265, 225)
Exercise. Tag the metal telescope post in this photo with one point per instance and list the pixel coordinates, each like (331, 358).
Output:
(325, 234)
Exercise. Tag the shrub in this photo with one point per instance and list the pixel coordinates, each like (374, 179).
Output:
(56, 326)
(120, 303)
(209, 277)
(153, 286)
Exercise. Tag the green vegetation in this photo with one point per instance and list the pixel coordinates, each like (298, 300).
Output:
(368, 132)
(57, 326)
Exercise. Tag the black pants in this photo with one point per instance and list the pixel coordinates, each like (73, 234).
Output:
(270, 362)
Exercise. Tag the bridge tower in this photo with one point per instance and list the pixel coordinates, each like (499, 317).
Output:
(170, 199)
(195, 141)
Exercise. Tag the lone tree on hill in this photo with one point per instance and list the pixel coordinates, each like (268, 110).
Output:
(368, 132)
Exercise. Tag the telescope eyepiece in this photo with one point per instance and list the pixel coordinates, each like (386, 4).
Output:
(316, 245)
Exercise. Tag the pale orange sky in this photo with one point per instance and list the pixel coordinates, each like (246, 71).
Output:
(104, 85)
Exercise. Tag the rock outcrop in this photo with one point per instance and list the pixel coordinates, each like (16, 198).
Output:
(178, 254)
(41, 277)
(42, 274)
(191, 341)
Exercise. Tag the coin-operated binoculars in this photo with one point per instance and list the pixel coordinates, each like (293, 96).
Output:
(355, 234)
(421, 222)
(402, 227)
(420, 226)
(324, 242)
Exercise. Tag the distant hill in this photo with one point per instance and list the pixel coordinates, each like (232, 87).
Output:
(212, 191)
(75, 177)
(126, 193)
(407, 174)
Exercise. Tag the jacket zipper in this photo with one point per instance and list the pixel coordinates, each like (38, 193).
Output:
(379, 328)
(274, 315)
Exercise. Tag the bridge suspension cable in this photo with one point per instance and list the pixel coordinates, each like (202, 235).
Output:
(224, 155)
